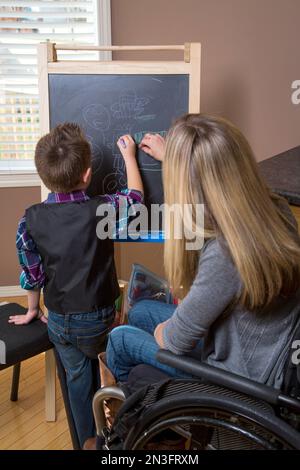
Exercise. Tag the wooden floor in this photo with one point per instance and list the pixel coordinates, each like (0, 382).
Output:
(22, 423)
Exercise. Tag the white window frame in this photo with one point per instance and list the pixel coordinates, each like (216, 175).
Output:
(22, 173)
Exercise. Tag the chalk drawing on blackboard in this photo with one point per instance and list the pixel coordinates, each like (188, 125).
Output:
(94, 147)
(146, 117)
(114, 136)
(119, 104)
(96, 116)
(129, 106)
(96, 165)
(179, 107)
(138, 136)
(114, 182)
(97, 154)
(117, 178)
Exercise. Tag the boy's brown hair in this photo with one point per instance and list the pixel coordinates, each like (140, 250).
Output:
(62, 157)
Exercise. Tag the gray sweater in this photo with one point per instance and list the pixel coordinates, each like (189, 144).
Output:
(248, 343)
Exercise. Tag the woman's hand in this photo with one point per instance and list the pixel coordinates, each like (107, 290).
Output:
(154, 145)
(127, 147)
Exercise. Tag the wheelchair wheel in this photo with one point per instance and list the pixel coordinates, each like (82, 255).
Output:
(212, 422)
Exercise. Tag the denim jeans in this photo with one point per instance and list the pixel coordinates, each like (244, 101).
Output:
(134, 343)
(78, 338)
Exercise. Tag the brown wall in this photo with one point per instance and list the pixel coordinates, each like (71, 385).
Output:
(250, 57)
(148, 254)
(13, 202)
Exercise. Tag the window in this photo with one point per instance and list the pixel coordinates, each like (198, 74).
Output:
(23, 24)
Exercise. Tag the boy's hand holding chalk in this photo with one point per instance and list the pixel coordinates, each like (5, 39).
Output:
(123, 143)
(127, 147)
(153, 145)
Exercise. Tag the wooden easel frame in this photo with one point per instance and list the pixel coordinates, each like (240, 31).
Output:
(48, 64)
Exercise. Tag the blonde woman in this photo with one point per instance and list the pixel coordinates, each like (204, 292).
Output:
(241, 295)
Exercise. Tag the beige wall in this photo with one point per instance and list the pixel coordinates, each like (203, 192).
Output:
(13, 202)
(250, 57)
(148, 254)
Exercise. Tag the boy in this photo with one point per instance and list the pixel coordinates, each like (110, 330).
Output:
(60, 253)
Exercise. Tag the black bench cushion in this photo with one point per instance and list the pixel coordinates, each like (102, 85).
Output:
(22, 341)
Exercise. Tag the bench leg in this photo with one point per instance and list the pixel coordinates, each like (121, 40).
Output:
(15, 382)
(50, 385)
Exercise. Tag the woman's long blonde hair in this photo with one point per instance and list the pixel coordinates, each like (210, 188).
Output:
(208, 160)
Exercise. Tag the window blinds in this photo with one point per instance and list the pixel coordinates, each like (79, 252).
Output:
(23, 24)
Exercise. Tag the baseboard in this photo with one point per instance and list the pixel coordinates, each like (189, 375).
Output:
(12, 291)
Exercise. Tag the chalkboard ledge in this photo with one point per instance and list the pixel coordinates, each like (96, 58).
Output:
(143, 237)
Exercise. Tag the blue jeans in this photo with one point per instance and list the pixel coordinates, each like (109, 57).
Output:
(134, 343)
(78, 338)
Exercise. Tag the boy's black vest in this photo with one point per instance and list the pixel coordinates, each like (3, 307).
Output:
(79, 268)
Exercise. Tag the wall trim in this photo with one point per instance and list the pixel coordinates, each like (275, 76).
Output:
(19, 180)
(103, 12)
(12, 291)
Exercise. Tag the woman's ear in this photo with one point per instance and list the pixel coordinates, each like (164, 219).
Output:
(86, 177)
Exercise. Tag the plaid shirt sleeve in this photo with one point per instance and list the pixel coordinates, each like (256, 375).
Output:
(32, 275)
(131, 197)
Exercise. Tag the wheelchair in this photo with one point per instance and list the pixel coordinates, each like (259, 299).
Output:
(213, 410)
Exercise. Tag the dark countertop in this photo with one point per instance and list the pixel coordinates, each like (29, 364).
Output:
(282, 174)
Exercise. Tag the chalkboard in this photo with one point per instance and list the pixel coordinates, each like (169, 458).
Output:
(108, 106)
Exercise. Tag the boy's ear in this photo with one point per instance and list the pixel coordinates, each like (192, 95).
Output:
(87, 175)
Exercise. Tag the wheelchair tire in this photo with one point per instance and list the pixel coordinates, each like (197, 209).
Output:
(258, 427)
